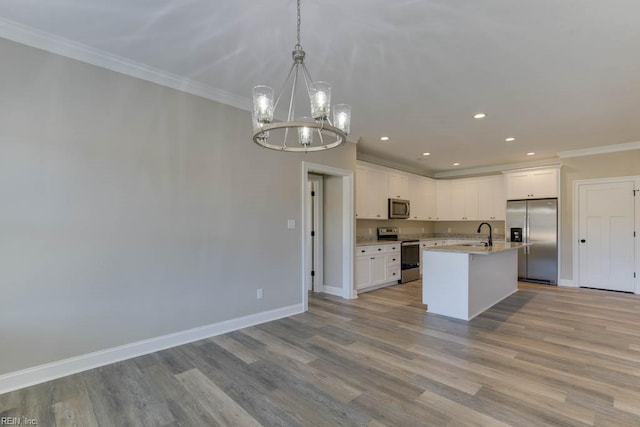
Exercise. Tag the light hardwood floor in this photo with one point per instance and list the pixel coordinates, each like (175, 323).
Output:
(544, 356)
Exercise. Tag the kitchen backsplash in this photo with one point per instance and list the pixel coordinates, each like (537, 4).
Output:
(366, 229)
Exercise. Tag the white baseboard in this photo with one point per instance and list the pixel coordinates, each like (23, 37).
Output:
(332, 290)
(50, 371)
(567, 283)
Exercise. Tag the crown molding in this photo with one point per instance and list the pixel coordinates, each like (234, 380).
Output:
(388, 163)
(487, 170)
(29, 36)
(603, 149)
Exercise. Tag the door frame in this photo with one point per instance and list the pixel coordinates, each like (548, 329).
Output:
(576, 224)
(348, 227)
(316, 184)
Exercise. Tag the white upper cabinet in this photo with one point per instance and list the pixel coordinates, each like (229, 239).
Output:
(532, 183)
(398, 185)
(443, 201)
(464, 199)
(492, 201)
(430, 208)
(371, 193)
(422, 198)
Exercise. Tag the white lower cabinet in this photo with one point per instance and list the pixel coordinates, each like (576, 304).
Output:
(377, 265)
(429, 243)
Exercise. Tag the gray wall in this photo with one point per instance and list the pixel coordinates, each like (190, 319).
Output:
(130, 210)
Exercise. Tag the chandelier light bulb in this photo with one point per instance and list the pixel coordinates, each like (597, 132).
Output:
(320, 93)
(342, 117)
(263, 104)
(305, 134)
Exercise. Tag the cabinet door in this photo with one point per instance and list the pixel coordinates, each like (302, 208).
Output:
(499, 199)
(464, 199)
(470, 199)
(418, 197)
(518, 185)
(377, 194)
(430, 200)
(544, 183)
(363, 271)
(491, 198)
(443, 200)
(378, 269)
(398, 186)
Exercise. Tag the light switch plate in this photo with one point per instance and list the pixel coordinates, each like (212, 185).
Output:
(291, 224)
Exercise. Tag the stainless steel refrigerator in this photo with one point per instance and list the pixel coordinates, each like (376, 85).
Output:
(535, 222)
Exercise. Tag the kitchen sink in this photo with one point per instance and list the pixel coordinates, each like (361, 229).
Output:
(475, 245)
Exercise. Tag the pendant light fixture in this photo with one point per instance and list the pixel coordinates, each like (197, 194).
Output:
(316, 132)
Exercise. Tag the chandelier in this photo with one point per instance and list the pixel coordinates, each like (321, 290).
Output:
(315, 132)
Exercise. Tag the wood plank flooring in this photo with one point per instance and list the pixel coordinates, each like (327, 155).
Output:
(544, 356)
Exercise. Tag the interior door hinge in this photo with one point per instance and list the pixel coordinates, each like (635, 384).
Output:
(313, 234)
(313, 273)
(313, 193)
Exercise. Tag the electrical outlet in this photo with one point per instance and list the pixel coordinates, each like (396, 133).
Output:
(422, 230)
(259, 293)
(291, 224)
(370, 231)
(449, 230)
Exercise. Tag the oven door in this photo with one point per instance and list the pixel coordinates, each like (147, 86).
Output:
(410, 255)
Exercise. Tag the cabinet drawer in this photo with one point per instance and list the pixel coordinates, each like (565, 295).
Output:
(431, 243)
(391, 248)
(377, 249)
(394, 273)
(393, 260)
(363, 250)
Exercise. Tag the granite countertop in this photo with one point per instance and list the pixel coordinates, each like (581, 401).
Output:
(477, 250)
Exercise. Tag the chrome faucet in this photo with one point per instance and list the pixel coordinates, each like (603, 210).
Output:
(490, 241)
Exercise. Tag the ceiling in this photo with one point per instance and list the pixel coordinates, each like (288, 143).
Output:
(555, 74)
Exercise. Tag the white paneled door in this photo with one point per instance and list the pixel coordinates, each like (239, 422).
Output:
(606, 235)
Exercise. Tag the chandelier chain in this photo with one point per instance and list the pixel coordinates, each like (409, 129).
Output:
(298, 23)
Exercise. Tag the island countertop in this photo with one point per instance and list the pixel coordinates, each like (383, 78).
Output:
(477, 249)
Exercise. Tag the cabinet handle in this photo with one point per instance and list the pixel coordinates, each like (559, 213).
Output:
(393, 259)
(379, 249)
(372, 257)
(378, 216)
(394, 273)
(362, 250)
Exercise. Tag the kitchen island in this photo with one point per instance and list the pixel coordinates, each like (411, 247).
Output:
(462, 281)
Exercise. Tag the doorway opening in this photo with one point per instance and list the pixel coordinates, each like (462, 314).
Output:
(327, 231)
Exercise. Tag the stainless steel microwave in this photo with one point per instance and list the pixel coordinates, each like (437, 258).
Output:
(399, 209)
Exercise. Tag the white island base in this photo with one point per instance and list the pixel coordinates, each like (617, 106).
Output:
(463, 282)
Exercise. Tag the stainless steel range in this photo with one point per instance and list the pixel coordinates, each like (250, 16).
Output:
(409, 256)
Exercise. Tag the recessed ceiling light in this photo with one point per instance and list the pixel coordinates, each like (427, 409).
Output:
(426, 154)
(510, 139)
(384, 138)
(479, 116)
(456, 164)
(530, 154)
